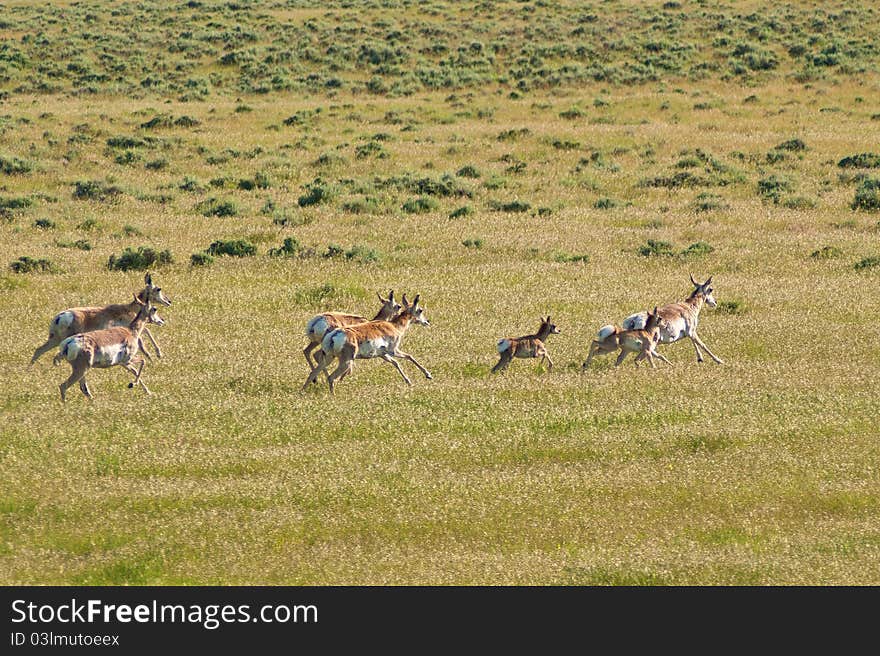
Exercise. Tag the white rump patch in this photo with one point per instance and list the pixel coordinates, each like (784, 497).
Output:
(605, 331)
(635, 321)
(503, 345)
(317, 327)
(333, 342)
(62, 322)
(71, 348)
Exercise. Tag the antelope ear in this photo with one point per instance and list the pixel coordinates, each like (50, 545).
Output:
(405, 302)
(709, 280)
(391, 296)
(148, 280)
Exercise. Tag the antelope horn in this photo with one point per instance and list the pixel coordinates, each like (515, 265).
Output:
(416, 300)
(696, 284)
(709, 280)
(148, 280)
(379, 294)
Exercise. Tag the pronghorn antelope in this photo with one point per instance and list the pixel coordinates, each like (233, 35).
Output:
(86, 319)
(637, 340)
(527, 346)
(679, 320)
(373, 339)
(101, 349)
(321, 324)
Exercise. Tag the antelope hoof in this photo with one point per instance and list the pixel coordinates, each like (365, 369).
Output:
(429, 376)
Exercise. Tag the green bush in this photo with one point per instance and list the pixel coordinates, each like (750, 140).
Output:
(420, 205)
(473, 243)
(317, 192)
(655, 248)
(290, 248)
(464, 210)
(44, 224)
(772, 187)
(468, 171)
(217, 207)
(792, 145)
(95, 190)
(232, 247)
(860, 161)
(511, 206)
(14, 166)
(867, 263)
(867, 195)
(143, 258)
(697, 249)
(26, 264)
(201, 259)
(605, 204)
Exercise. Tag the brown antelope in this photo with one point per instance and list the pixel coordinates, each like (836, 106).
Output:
(100, 349)
(637, 340)
(373, 339)
(527, 346)
(321, 324)
(679, 320)
(86, 319)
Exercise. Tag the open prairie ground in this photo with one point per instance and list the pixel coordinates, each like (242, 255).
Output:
(505, 160)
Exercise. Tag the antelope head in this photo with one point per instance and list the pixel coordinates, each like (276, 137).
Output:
(390, 307)
(415, 311)
(548, 327)
(152, 293)
(147, 312)
(704, 288)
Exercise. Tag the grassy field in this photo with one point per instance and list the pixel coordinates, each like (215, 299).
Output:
(508, 162)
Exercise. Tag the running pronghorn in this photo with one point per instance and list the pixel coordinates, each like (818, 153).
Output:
(527, 346)
(636, 340)
(373, 339)
(101, 349)
(86, 319)
(679, 320)
(321, 324)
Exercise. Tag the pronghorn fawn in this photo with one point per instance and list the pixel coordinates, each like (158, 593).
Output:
(373, 339)
(86, 319)
(321, 324)
(101, 349)
(637, 340)
(679, 320)
(527, 346)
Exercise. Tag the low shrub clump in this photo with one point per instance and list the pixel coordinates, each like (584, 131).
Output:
(420, 205)
(217, 207)
(867, 195)
(201, 259)
(95, 190)
(317, 192)
(142, 258)
(655, 248)
(826, 253)
(232, 247)
(26, 264)
(860, 161)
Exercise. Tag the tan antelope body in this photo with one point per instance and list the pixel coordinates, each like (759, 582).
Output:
(636, 340)
(679, 320)
(321, 324)
(101, 349)
(87, 319)
(373, 339)
(527, 346)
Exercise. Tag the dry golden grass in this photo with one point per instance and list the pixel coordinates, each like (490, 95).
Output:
(763, 470)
